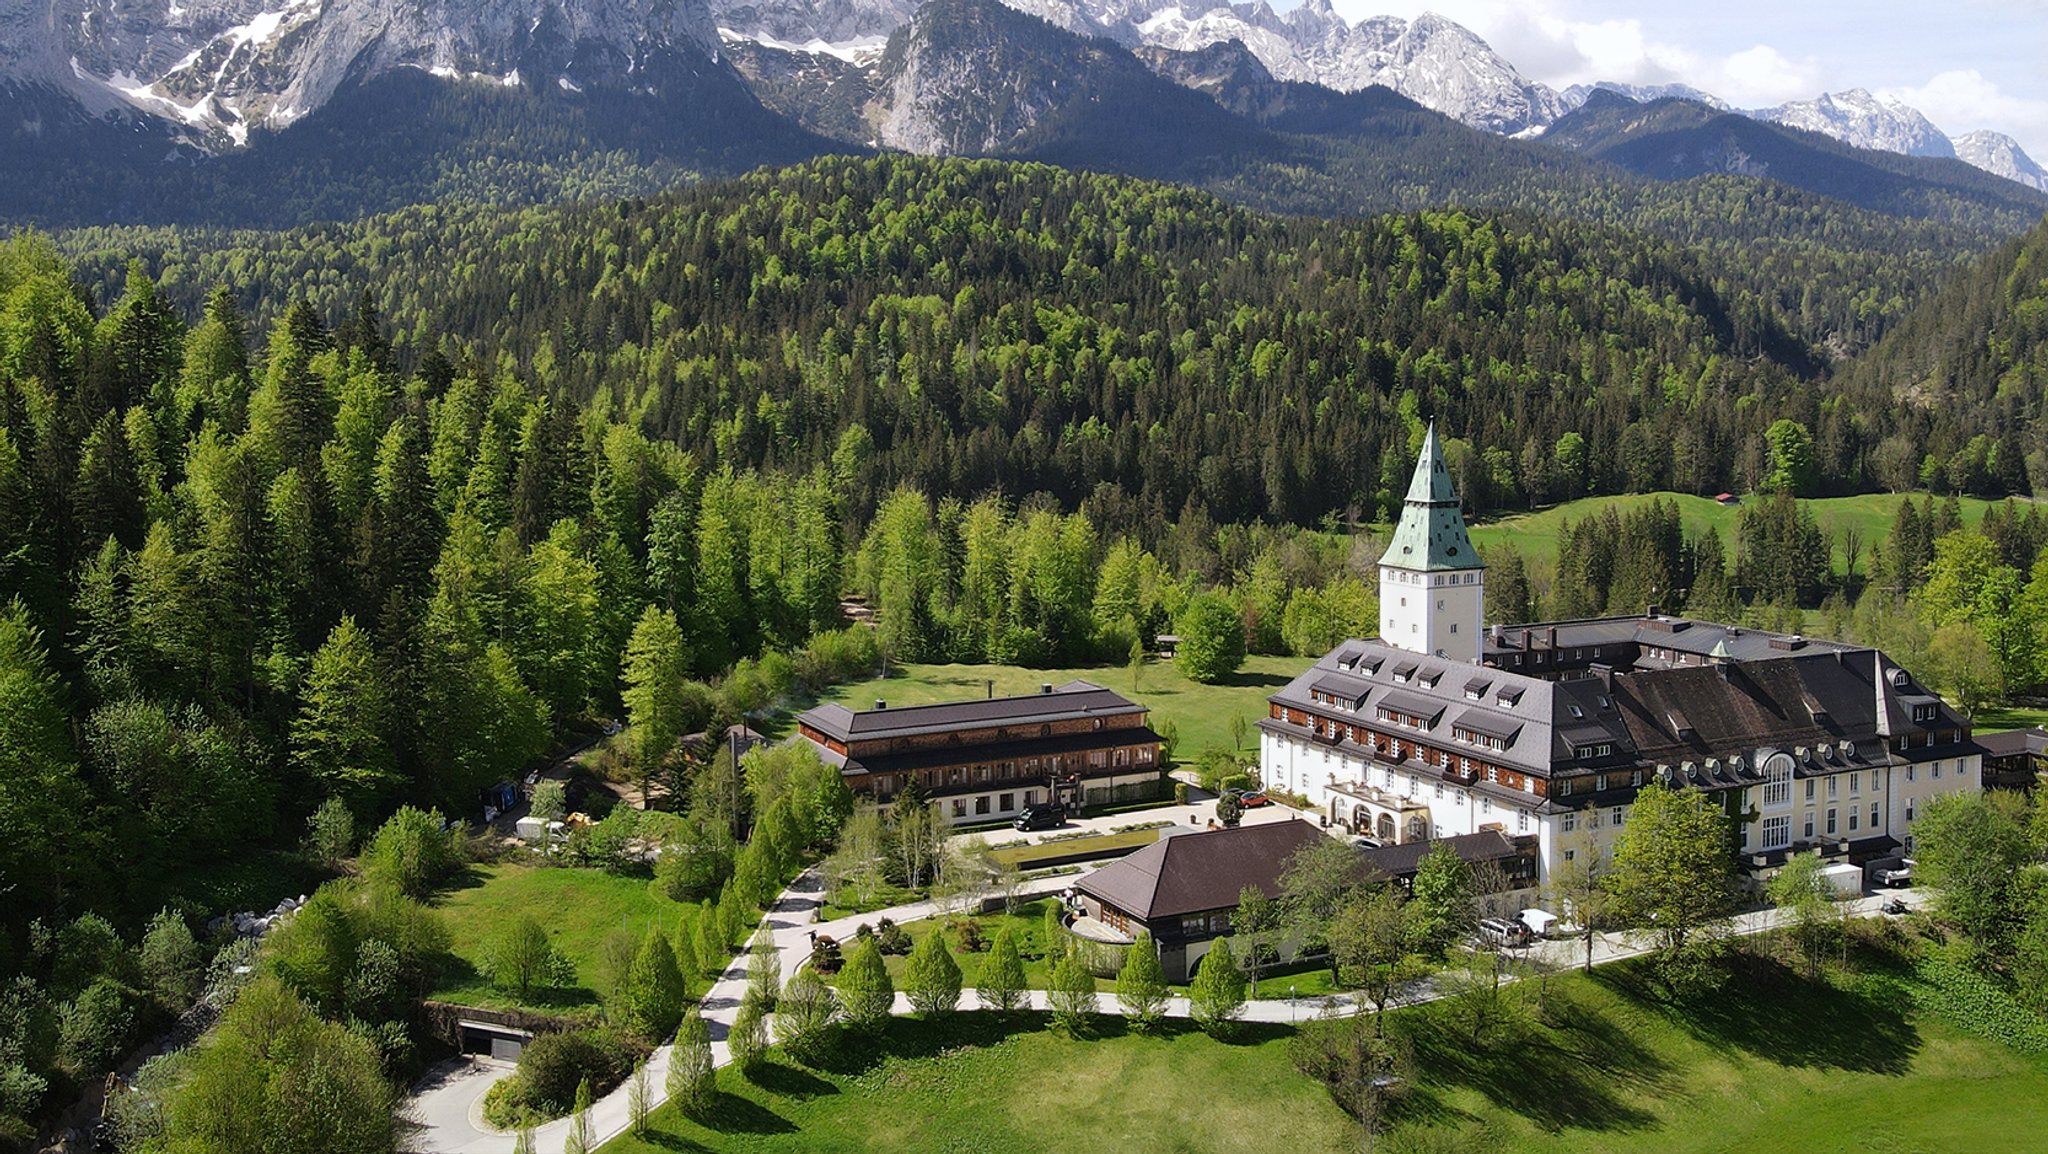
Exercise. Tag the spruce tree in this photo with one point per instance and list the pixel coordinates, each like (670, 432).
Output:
(865, 988)
(692, 1083)
(932, 977)
(1141, 985)
(1001, 980)
(1216, 996)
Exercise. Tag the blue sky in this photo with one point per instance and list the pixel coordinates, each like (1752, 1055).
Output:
(1967, 64)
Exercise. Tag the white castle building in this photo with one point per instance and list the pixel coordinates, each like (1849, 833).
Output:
(1440, 727)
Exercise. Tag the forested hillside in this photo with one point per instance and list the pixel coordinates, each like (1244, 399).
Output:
(1975, 355)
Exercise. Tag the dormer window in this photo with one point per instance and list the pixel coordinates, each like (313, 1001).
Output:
(1576, 711)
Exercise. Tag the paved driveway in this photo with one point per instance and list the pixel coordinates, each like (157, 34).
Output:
(1196, 815)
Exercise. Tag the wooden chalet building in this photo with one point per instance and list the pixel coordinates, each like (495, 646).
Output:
(986, 760)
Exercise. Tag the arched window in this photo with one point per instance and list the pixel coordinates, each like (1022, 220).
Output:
(1778, 780)
(1386, 827)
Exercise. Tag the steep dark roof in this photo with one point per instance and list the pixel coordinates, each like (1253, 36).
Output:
(1001, 751)
(2014, 742)
(1065, 702)
(1196, 872)
(1401, 860)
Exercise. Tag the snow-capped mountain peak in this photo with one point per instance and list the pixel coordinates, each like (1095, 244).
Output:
(1997, 153)
(1866, 120)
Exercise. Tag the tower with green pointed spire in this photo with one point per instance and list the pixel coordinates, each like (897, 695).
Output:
(1432, 582)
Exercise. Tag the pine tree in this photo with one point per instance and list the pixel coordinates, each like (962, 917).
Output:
(1001, 981)
(1072, 994)
(1141, 985)
(865, 987)
(931, 979)
(1216, 996)
(692, 1083)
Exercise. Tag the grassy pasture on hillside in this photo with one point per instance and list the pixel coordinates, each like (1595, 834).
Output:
(1535, 534)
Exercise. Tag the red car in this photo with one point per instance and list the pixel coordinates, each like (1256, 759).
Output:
(1254, 799)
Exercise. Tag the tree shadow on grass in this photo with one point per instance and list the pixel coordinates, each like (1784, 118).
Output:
(1523, 1071)
(668, 1141)
(732, 1114)
(789, 1081)
(1766, 1009)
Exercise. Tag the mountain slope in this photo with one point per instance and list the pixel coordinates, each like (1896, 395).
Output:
(1678, 140)
(1859, 118)
(1997, 153)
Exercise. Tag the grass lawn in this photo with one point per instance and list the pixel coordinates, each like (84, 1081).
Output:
(1025, 857)
(1201, 713)
(1535, 534)
(1771, 1063)
(992, 1084)
(579, 907)
(2000, 719)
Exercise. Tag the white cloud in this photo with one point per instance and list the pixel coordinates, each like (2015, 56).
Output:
(1760, 76)
(1963, 100)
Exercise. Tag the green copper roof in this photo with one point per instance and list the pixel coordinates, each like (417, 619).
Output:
(1431, 534)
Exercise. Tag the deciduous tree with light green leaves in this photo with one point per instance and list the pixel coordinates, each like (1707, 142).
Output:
(1972, 848)
(1141, 985)
(1440, 900)
(805, 1016)
(1211, 638)
(931, 979)
(692, 1083)
(748, 1039)
(1672, 875)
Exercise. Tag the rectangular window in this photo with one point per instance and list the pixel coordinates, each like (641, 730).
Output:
(959, 808)
(1571, 822)
(1592, 819)
(1521, 821)
(1873, 815)
(1570, 854)
(1007, 802)
(1831, 823)
(1777, 832)
(1909, 771)
(1809, 826)
(1853, 816)
(1834, 787)
(1855, 784)
(1614, 817)
(1937, 771)
(981, 804)
(1809, 789)
(1909, 813)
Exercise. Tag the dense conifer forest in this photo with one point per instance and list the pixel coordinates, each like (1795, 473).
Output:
(378, 513)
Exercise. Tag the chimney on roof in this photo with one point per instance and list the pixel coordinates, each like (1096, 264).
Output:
(1045, 687)
(1550, 637)
(880, 704)
(1655, 611)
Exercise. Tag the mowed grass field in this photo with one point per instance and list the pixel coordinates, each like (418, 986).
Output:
(1535, 534)
(1201, 713)
(579, 907)
(1772, 1064)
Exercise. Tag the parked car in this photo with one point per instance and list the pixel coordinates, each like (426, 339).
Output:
(1048, 816)
(1254, 798)
(1360, 841)
(1504, 932)
(1898, 875)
